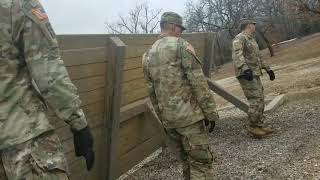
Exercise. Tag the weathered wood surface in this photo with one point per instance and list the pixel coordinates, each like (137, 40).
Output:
(215, 87)
(113, 103)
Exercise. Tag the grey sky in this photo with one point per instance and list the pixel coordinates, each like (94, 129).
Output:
(89, 16)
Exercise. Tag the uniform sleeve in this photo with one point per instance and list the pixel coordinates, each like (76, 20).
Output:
(47, 68)
(150, 86)
(264, 65)
(192, 68)
(239, 59)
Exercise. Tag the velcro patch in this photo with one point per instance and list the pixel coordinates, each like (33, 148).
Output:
(40, 14)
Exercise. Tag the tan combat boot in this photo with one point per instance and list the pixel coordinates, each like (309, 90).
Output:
(267, 130)
(256, 132)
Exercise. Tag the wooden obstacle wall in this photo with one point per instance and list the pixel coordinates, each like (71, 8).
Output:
(141, 134)
(86, 58)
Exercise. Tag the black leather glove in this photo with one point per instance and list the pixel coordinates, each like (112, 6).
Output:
(83, 145)
(271, 75)
(210, 125)
(248, 75)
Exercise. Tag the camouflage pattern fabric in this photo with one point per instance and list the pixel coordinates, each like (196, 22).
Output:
(253, 90)
(41, 158)
(181, 98)
(246, 55)
(29, 52)
(177, 86)
(190, 144)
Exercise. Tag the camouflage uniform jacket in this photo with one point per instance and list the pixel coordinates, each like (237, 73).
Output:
(177, 86)
(29, 53)
(246, 55)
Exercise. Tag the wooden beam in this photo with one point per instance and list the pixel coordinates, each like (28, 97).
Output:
(139, 153)
(133, 109)
(207, 62)
(113, 102)
(228, 96)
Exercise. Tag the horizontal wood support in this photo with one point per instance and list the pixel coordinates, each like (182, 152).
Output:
(228, 96)
(84, 56)
(138, 154)
(133, 85)
(132, 74)
(81, 41)
(133, 63)
(134, 95)
(89, 84)
(87, 71)
(92, 96)
(132, 110)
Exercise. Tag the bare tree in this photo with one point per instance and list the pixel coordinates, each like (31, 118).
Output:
(311, 6)
(217, 15)
(140, 19)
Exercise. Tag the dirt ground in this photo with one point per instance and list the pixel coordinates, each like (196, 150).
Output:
(293, 152)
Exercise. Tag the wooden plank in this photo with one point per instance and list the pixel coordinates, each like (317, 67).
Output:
(92, 96)
(132, 110)
(133, 74)
(134, 39)
(140, 153)
(133, 63)
(134, 84)
(134, 95)
(84, 56)
(136, 51)
(94, 109)
(135, 131)
(275, 103)
(90, 84)
(113, 102)
(228, 96)
(78, 170)
(86, 71)
(208, 56)
(81, 41)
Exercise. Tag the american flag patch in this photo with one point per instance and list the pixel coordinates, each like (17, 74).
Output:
(40, 13)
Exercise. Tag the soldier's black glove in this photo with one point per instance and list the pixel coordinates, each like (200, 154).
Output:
(271, 75)
(210, 125)
(248, 75)
(83, 145)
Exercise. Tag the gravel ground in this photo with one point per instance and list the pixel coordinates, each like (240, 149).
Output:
(293, 152)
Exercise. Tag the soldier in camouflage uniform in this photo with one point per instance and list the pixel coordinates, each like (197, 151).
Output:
(181, 97)
(248, 67)
(32, 78)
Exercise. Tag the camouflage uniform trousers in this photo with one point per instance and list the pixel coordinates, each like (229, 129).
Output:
(40, 158)
(253, 90)
(190, 144)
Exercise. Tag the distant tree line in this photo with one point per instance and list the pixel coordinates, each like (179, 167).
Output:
(277, 19)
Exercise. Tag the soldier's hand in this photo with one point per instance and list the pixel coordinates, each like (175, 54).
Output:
(83, 145)
(272, 76)
(210, 125)
(248, 75)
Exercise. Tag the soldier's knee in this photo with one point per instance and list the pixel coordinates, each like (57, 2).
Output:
(201, 155)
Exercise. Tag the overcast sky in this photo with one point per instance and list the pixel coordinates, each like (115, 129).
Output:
(89, 16)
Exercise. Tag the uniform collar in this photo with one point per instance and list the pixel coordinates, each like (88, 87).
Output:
(248, 35)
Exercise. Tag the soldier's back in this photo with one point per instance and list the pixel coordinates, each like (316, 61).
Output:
(176, 102)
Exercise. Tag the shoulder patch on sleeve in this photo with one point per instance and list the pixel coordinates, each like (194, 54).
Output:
(237, 44)
(39, 13)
